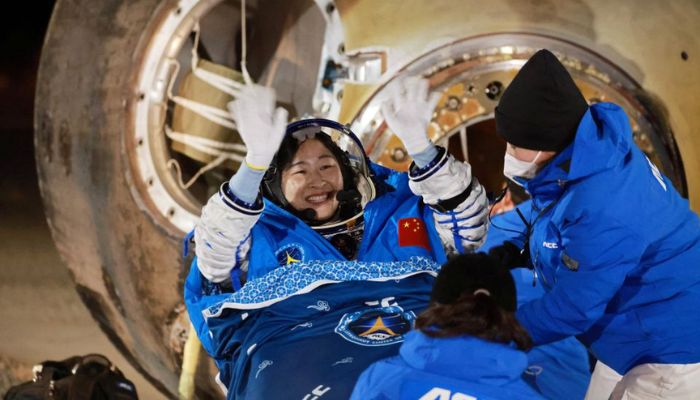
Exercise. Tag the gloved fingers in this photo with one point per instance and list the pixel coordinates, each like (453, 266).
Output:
(423, 90)
(404, 112)
(279, 127)
(418, 89)
(253, 102)
(389, 113)
(237, 110)
(259, 122)
(396, 91)
(280, 117)
(259, 97)
(233, 107)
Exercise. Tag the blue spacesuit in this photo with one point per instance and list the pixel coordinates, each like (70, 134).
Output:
(425, 214)
(397, 226)
(280, 238)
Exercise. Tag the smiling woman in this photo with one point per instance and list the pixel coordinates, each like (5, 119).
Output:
(309, 194)
(317, 173)
(312, 180)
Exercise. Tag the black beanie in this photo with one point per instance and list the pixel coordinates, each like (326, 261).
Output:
(542, 107)
(467, 273)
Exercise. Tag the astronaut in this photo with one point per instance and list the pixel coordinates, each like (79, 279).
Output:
(307, 191)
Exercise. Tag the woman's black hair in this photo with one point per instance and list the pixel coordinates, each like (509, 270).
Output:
(272, 182)
(475, 315)
(474, 295)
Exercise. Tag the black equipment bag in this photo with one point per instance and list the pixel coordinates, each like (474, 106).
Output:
(90, 377)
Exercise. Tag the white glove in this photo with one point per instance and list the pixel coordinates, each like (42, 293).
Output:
(408, 111)
(260, 125)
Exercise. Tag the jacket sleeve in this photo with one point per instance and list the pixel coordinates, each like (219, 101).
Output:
(508, 227)
(222, 235)
(460, 207)
(597, 253)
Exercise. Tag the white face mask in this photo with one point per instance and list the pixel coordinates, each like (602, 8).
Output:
(514, 168)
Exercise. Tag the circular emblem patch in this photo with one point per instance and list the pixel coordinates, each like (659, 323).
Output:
(376, 327)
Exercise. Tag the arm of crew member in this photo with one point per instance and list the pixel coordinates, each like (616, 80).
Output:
(222, 235)
(458, 200)
(508, 227)
(597, 254)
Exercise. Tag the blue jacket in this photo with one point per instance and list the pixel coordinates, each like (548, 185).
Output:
(616, 248)
(279, 234)
(557, 370)
(447, 366)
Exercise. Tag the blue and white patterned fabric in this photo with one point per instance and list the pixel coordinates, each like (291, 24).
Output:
(300, 278)
(311, 328)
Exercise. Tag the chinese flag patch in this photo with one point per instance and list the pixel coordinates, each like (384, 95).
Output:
(412, 232)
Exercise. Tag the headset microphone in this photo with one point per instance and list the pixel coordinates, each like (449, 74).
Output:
(348, 196)
(307, 214)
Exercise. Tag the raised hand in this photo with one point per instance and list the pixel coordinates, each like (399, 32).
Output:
(408, 111)
(260, 124)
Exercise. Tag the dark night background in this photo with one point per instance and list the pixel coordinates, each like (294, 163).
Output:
(20, 45)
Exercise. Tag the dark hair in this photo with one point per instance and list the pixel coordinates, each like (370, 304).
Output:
(476, 315)
(474, 294)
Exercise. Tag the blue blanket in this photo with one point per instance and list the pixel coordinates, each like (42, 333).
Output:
(307, 330)
(311, 329)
